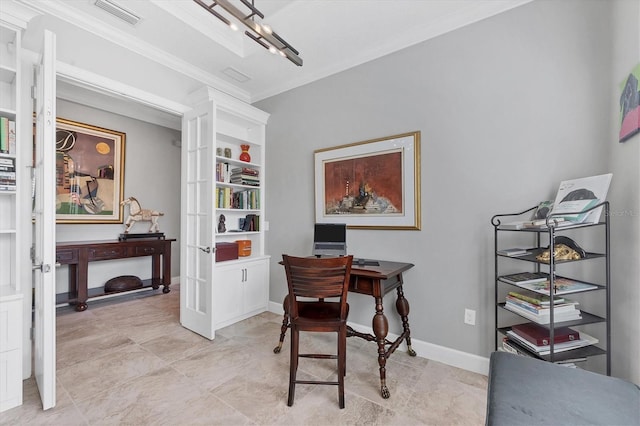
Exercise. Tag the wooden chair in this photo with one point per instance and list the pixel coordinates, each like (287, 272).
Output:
(320, 279)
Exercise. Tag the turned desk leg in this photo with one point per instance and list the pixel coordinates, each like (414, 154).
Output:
(82, 276)
(166, 268)
(285, 324)
(380, 329)
(402, 306)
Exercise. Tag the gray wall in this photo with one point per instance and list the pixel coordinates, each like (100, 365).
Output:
(625, 200)
(151, 174)
(507, 108)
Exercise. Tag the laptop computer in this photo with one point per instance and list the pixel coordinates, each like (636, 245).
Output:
(330, 239)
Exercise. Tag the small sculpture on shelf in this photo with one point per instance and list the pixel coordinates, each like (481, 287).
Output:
(137, 214)
(244, 155)
(221, 224)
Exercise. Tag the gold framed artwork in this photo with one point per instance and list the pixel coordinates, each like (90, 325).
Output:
(89, 173)
(374, 184)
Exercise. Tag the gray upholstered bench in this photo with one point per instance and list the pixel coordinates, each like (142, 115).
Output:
(527, 391)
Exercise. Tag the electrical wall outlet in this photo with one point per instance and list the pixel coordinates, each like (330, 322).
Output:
(470, 316)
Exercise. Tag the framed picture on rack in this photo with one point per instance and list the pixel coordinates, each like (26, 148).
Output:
(89, 173)
(374, 184)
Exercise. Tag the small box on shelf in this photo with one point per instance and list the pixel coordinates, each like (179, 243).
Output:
(226, 251)
(244, 248)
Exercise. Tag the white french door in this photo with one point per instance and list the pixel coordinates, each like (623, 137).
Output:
(196, 251)
(44, 225)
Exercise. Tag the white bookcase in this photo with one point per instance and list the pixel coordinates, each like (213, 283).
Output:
(11, 281)
(241, 285)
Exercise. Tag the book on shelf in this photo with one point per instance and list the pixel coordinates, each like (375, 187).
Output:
(4, 135)
(539, 311)
(556, 222)
(512, 252)
(584, 340)
(223, 172)
(11, 137)
(511, 225)
(525, 277)
(540, 336)
(509, 345)
(577, 195)
(566, 306)
(535, 298)
(570, 315)
(561, 285)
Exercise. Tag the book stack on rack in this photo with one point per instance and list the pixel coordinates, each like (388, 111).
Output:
(536, 339)
(539, 310)
(245, 176)
(539, 282)
(7, 174)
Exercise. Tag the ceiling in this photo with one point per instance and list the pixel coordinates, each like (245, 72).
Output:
(331, 35)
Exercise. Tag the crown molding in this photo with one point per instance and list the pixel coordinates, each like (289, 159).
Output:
(58, 9)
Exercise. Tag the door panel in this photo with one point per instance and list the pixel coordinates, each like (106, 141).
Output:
(44, 226)
(198, 173)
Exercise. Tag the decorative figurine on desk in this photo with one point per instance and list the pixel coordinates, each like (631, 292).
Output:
(137, 213)
(221, 226)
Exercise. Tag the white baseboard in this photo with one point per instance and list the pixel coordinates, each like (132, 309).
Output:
(453, 357)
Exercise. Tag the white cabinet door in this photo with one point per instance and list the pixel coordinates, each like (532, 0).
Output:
(240, 291)
(228, 294)
(256, 292)
(10, 353)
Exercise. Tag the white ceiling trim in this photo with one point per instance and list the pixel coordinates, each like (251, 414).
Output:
(88, 23)
(213, 29)
(104, 85)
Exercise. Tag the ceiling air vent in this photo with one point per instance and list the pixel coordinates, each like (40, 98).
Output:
(118, 11)
(236, 75)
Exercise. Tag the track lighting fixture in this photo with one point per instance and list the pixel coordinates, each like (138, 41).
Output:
(258, 32)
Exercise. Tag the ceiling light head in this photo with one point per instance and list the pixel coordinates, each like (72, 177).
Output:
(233, 26)
(261, 34)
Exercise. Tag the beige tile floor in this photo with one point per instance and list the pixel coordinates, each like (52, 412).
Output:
(128, 361)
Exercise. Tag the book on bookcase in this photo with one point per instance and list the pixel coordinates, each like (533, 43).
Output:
(570, 315)
(525, 277)
(536, 298)
(562, 285)
(541, 336)
(584, 340)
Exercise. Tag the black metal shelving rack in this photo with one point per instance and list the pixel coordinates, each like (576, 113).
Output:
(551, 231)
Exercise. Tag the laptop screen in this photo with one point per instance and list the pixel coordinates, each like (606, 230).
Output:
(330, 233)
(330, 239)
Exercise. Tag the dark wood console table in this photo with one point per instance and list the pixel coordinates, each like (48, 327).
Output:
(78, 255)
(375, 280)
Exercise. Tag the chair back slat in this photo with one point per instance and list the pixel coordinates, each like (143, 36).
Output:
(320, 278)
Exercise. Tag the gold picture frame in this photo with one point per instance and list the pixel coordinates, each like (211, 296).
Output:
(89, 173)
(374, 184)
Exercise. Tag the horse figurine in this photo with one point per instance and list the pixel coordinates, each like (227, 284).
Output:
(137, 213)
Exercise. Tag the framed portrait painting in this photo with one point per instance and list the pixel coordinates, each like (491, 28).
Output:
(89, 173)
(373, 184)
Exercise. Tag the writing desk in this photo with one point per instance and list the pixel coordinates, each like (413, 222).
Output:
(377, 281)
(78, 255)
